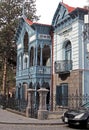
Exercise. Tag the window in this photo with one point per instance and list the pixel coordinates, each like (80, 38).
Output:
(32, 56)
(68, 51)
(25, 62)
(26, 42)
(62, 94)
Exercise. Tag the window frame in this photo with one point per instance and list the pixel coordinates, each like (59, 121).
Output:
(62, 94)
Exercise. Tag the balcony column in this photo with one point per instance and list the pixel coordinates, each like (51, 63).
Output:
(29, 58)
(41, 56)
(50, 55)
(36, 55)
(19, 62)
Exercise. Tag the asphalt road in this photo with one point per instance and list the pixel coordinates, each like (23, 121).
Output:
(36, 127)
(12, 121)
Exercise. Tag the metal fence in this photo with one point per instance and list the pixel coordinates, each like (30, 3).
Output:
(73, 100)
(76, 101)
(12, 103)
(70, 101)
(16, 104)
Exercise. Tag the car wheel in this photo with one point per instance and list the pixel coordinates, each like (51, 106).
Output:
(87, 124)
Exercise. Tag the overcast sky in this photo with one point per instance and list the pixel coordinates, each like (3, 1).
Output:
(47, 8)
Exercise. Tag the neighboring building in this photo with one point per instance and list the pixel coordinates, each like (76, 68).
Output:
(33, 59)
(70, 54)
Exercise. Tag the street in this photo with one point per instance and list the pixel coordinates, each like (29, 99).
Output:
(12, 121)
(36, 127)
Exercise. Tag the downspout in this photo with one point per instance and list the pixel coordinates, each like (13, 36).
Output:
(83, 62)
(51, 88)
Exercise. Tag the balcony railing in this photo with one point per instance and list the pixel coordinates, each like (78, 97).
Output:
(63, 66)
(23, 72)
(40, 69)
(34, 70)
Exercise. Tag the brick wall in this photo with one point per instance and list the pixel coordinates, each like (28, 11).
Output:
(74, 80)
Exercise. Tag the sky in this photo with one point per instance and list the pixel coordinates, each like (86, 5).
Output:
(47, 8)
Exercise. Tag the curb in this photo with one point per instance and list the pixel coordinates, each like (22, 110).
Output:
(48, 124)
(16, 112)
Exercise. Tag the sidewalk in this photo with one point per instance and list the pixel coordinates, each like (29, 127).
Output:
(7, 117)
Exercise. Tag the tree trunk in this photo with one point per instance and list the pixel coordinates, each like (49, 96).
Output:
(4, 76)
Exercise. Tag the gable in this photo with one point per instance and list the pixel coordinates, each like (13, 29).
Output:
(61, 12)
(24, 26)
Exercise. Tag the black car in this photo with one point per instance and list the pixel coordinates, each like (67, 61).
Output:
(78, 116)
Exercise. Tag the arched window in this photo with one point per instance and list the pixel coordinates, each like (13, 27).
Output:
(38, 55)
(45, 54)
(67, 56)
(32, 56)
(26, 42)
(68, 51)
(25, 62)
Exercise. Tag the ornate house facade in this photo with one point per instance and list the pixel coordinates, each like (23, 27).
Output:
(53, 56)
(70, 54)
(33, 59)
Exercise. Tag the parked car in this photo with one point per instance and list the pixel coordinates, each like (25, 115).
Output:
(78, 116)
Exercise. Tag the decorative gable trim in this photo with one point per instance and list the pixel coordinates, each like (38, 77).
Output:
(62, 10)
(69, 8)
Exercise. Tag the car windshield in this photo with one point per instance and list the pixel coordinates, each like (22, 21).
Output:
(86, 105)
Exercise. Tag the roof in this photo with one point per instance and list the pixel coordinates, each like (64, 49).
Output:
(28, 21)
(31, 23)
(69, 8)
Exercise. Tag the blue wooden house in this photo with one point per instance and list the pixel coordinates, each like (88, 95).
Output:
(34, 43)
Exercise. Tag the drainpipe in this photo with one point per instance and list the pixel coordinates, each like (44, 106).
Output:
(83, 62)
(51, 88)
